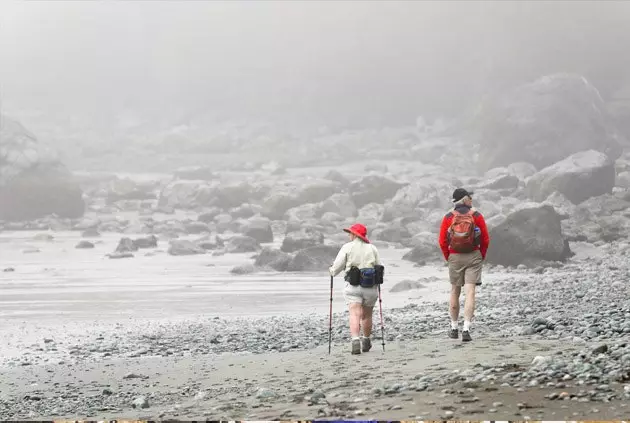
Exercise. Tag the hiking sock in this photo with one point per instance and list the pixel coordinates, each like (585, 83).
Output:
(356, 338)
(466, 325)
(454, 324)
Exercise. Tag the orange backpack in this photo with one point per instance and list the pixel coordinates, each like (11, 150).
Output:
(461, 233)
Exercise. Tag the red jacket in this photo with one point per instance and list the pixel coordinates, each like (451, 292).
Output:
(479, 221)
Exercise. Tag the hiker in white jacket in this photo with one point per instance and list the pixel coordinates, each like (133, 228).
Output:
(361, 254)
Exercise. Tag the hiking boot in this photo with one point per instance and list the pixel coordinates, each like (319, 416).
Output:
(356, 346)
(366, 344)
(466, 336)
(453, 333)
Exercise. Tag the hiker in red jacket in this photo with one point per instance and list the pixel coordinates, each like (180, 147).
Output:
(464, 241)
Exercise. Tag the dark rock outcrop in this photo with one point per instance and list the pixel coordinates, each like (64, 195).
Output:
(313, 259)
(33, 182)
(274, 259)
(529, 235)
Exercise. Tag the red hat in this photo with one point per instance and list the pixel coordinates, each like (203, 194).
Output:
(358, 230)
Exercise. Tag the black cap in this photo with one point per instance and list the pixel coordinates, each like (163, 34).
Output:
(460, 193)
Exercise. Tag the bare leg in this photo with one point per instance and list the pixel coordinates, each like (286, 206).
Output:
(355, 319)
(469, 302)
(366, 320)
(456, 291)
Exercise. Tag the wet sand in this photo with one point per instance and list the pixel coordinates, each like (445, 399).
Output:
(289, 385)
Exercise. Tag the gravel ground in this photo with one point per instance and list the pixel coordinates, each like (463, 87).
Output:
(552, 343)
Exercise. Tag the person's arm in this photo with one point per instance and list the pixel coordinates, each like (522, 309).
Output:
(485, 236)
(443, 239)
(340, 262)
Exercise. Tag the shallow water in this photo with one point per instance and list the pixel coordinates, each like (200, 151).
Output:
(63, 283)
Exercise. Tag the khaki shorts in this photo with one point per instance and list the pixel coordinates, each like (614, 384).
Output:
(358, 294)
(464, 268)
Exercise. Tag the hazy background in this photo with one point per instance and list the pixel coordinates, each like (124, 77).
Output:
(300, 63)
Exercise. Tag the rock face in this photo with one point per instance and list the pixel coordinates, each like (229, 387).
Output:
(578, 177)
(426, 193)
(33, 182)
(543, 122)
(259, 228)
(313, 259)
(373, 189)
(300, 239)
(184, 248)
(274, 259)
(529, 235)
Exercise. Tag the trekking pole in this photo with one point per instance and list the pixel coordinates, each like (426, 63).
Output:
(380, 306)
(330, 319)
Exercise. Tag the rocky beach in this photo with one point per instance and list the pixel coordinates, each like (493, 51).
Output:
(202, 292)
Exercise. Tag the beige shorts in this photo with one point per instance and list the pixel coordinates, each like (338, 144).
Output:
(360, 295)
(464, 268)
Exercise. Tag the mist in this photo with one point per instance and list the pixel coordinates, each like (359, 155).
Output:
(345, 64)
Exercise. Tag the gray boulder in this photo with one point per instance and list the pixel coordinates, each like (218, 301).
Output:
(84, 245)
(242, 244)
(301, 238)
(127, 189)
(313, 259)
(210, 242)
(33, 182)
(373, 189)
(578, 177)
(243, 269)
(543, 122)
(186, 195)
(274, 259)
(194, 228)
(126, 245)
(395, 232)
(184, 248)
(259, 228)
(425, 193)
(531, 234)
(426, 250)
(406, 285)
(341, 204)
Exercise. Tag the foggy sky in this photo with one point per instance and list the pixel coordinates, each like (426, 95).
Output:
(326, 62)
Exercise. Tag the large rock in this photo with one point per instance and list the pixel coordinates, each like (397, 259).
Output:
(373, 189)
(259, 228)
(530, 235)
(33, 182)
(313, 259)
(425, 193)
(578, 177)
(341, 204)
(274, 259)
(426, 249)
(127, 189)
(227, 196)
(301, 238)
(288, 196)
(543, 122)
(184, 248)
(186, 195)
(242, 244)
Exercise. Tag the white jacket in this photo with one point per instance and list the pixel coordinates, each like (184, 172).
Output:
(355, 253)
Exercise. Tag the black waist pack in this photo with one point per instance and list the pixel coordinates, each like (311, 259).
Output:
(380, 272)
(353, 277)
(367, 277)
